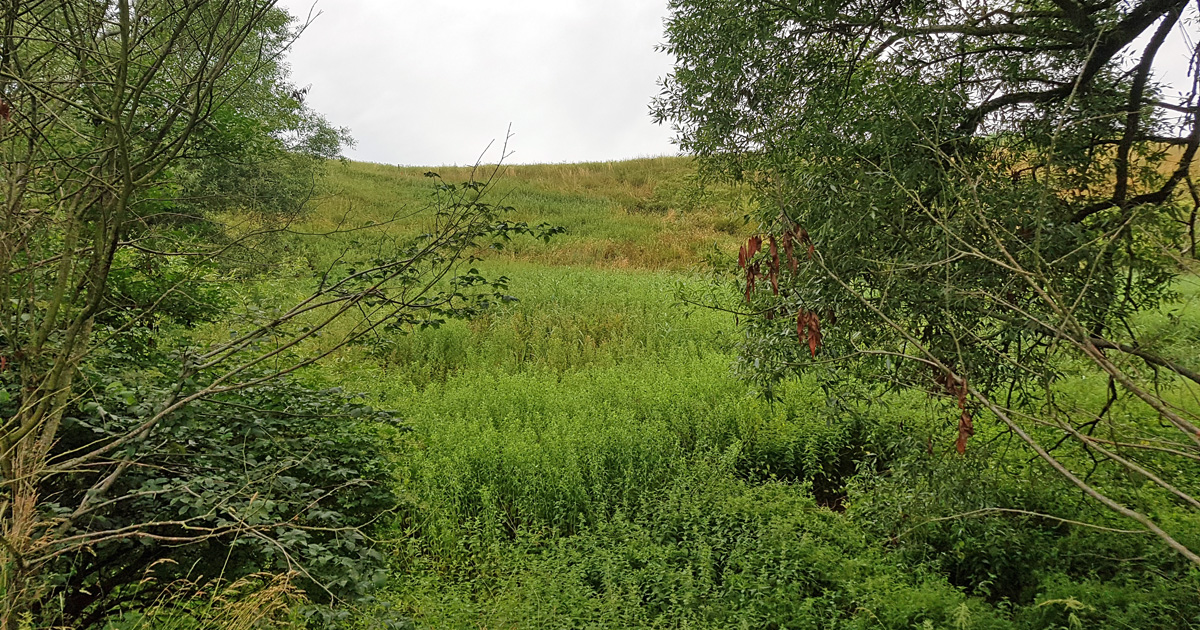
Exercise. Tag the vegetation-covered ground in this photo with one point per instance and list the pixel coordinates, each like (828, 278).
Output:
(950, 380)
(587, 457)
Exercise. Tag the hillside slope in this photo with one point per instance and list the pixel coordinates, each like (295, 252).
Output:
(646, 214)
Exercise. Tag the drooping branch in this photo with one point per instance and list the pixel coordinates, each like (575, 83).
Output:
(1148, 357)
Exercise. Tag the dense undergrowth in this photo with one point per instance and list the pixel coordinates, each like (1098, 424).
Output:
(587, 457)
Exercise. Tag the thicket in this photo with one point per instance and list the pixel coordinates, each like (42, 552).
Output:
(971, 200)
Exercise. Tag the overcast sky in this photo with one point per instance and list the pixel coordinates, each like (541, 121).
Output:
(432, 82)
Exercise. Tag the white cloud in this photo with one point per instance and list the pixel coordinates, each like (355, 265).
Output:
(432, 82)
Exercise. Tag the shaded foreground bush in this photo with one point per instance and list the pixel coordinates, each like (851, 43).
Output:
(280, 478)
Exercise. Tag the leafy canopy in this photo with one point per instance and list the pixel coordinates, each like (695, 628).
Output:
(955, 196)
(915, 143)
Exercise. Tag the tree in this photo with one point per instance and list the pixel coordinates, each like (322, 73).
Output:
(961, 197)
(128, 131)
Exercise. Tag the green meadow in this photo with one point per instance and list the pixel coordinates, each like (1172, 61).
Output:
(588, 457)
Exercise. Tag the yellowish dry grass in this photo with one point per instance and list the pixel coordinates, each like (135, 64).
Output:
(645, 214)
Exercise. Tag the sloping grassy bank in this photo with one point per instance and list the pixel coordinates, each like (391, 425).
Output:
(639, 214)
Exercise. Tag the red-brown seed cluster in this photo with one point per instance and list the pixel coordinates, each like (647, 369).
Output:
(749, 250)
(774, 266)
(753, 268)
(789, 251)
(808, 329)
(966, 427)
(808, 324)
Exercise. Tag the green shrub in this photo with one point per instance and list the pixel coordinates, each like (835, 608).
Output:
(280, 477)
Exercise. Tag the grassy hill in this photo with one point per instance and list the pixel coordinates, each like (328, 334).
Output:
(641, 214)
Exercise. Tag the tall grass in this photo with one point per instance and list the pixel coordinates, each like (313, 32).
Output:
(255, 602)
(553, 412)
